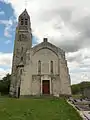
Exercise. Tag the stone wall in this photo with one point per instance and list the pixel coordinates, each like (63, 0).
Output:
(26, 81)
(65, 78)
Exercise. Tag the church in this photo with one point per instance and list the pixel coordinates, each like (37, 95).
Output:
(39, 70)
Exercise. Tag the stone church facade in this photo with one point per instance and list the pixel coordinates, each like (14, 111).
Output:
(38, 70)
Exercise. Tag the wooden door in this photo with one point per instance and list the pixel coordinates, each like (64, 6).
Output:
(46, 87)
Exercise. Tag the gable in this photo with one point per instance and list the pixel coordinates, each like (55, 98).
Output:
(49, 46)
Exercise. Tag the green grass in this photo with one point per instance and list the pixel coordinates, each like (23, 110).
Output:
(36, 109)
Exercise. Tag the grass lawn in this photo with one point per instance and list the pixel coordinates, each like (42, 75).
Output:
(36, 109)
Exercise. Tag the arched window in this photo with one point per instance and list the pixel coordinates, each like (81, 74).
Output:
(22, 21)
(39, 67)
(51, 66)
(26, 21)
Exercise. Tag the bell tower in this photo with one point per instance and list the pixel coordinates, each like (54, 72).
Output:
(23, 42)
(23, 39)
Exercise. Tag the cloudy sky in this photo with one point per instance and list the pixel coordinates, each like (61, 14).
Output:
(66, 23)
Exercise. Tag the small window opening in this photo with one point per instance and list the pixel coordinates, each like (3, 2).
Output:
(39, 67)
(21, 58)
(51, 66)
(26, 22)
(22, 22)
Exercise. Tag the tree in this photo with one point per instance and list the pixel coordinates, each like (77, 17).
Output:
(79, 88)
(5, 84)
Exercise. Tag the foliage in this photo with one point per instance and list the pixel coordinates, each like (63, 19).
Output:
(37, 109)
(5, 84)
(79, 88)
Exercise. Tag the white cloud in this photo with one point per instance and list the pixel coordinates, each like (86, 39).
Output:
(79, 65)
(8, 26)
(5, 64)
(8, 29)
(6, 59)
(80, 77)
(5, 22)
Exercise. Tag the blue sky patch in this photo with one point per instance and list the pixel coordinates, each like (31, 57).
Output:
(7, 26)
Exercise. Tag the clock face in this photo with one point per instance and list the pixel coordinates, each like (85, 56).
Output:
(22, 37)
